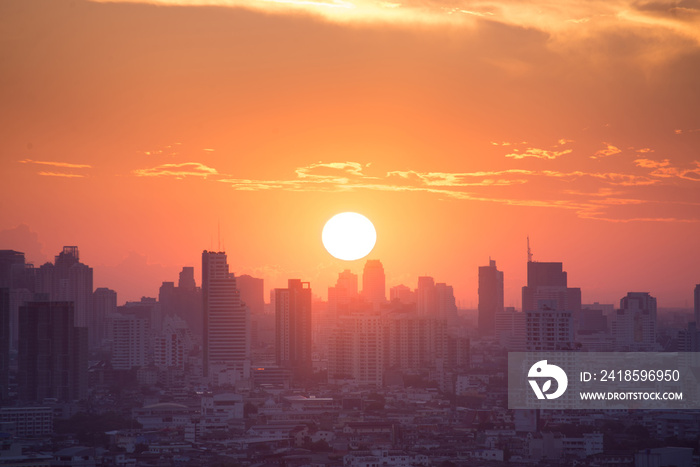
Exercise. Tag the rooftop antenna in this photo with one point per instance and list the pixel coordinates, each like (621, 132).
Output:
(529, 251)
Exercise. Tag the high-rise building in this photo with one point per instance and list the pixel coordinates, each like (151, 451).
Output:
(52, 353)
(490, 297)
(184, 301)
(426, 302)
(4, 343)
(356, 350)
(348, 281)
(550, 307)
(130, 338)
(633, 326)
(293, 328)
(252, 291)
(696, 302)
(104, 307)
(374, 283)
(403, 294)
(19, 277)
(70, 280)
(226, 318)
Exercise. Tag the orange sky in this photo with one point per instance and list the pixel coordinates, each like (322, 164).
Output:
(131, 129)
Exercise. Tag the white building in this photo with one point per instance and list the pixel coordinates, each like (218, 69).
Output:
(130, 337)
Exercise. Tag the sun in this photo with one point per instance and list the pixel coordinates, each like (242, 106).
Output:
(349, 236)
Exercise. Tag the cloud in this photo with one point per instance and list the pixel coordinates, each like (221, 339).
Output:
(538, 153)
(609, 150)
(651, 164)
(67, 165)
(58, 174)
(179, 171)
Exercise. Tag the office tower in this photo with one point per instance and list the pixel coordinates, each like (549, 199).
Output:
(293, 327)
(511, 329)
(696, 302)
(184, 301)
(550, 306)
(374, 283)
(252, 291)
(342, 294)
(356, 350)
(403, 294)
(548, 281)
(52, 353)
(413, 341)
(130, 337)
(490, 297)
(4, 343)
(348, 281)
(426, 303)
(634, 324)
(689, 338)
(104, 306)
(171, 346)
(226, 319)
(19, 277)
(445, 302)
(70, 280)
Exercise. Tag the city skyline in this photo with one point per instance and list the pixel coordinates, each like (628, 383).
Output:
(457, 130)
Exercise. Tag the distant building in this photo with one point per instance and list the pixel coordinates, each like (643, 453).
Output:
(4, 343)
(183, 300)
(104, 305)
(403, 294)
(374, 283)
(226, 319)
(633, 326)
(696, 302)
(490, 297)
(293, 328)
(511, 329)
(70, 280)
(130, 337)
(549, 306)
(356, 350)
(52, 353)
(19, 278)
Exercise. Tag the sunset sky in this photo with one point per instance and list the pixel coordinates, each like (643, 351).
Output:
(133, 129)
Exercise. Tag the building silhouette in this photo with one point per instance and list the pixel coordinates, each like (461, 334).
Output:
(374, 283)
(19, 277)
(356, 350)
(293, 344)
(52, 353)
(130, 338)
(490, 297)
(67, 279)
(226, 343)
(696, 303)
(633, 326)
(550, 306)
(183, 300)
(4, 343)
(104, 307)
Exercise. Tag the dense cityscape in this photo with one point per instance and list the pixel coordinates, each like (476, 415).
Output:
(209, 372)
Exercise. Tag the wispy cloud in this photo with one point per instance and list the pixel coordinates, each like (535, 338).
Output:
(67, 165)
(57, 174)
(179, 171)
(608, 151)
(538, 153)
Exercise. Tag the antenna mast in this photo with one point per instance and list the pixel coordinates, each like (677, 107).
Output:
(529, 252)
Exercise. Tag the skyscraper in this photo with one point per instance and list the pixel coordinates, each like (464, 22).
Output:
(52, 353)
(104, 306)
(490, 297)
(293, 327)
(4, 342)
(374, 283)
(70, 280)
(634, 324)
(184, 301)
(550, 307)
(696, 301)
(226, 318)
